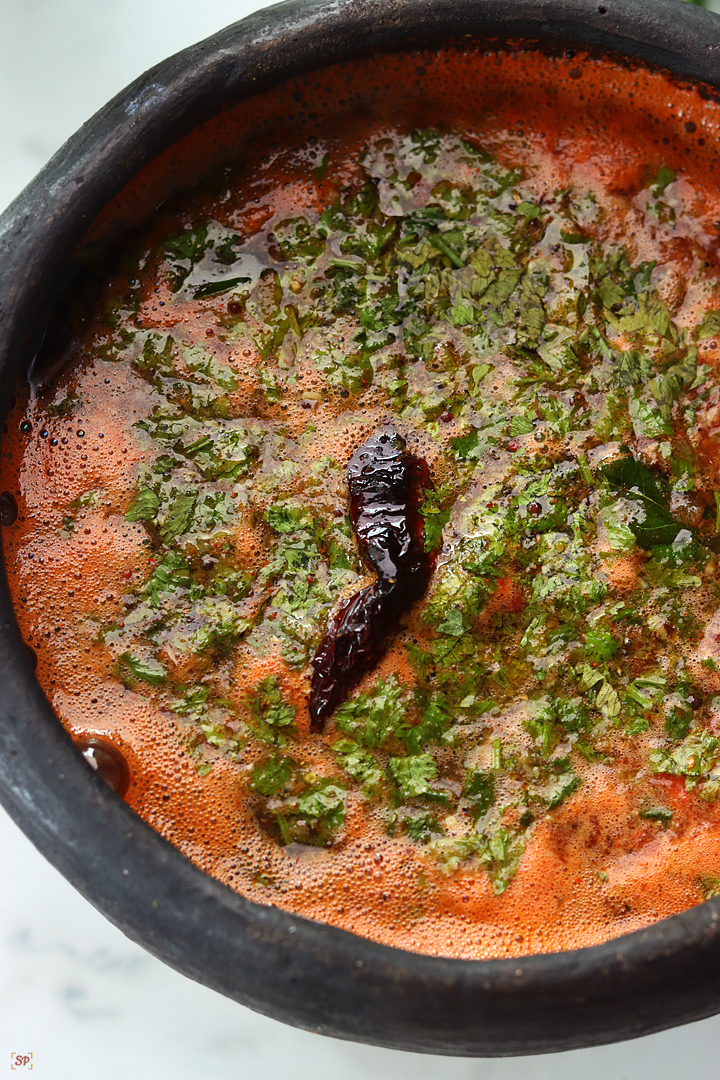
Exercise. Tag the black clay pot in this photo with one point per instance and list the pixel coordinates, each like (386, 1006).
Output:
(299, 971)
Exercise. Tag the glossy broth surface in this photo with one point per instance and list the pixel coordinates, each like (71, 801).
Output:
(513, 259)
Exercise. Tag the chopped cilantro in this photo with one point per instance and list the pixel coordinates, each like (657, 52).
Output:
(664, 176)
(178, 516)
(657, 813)
(172, 574)
(271, 777)
(288, 518)
(87, 499)
(359, 764)
(709, 326)
(694, 758)
(136, 667)
(272, 718)
(374, 716)
(144, 506)
(414, 774)
(421, 827)
(323, 804)
(600, 645)
(479, 790)
(434, 721)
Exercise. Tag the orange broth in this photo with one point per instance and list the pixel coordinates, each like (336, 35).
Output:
(593, 868)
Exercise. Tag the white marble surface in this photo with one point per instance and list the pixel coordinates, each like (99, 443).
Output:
(74, 992)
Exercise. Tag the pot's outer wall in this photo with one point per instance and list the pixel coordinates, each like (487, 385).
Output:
(304, 973)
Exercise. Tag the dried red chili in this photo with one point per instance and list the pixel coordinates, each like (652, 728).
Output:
(386, 485)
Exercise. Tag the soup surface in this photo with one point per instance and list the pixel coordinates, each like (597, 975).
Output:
(508, 262)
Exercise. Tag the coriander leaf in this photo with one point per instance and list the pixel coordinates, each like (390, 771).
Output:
(144, 506)
(87, 499)
(662, 180)
(646, 421)
(657, 813)
(202, 363)
(589, 677)
(615, 520)
(215, 288)
(560, 785)
(271, 777)
(150, 671)
(435, 721)
(570, 714)
(608, 700)
(314, 816)
(272, 717)
(501, 852)
(374, 716)
(324, 803)
(709, 326)
(421, 827)
(467, 446)
(63, 407)
(453, 624)
(183, 251)
(477, 375)
(359, 763)
(179, 516)
(480, 791)
(193, 702)
(414, 774)
(520, 425)
(462, 315)
(189, 244)
(693, 759)
(632, 368)
(436, 510)
(600, 645)
(530, 211)
(297, 239)
(710, 885)
(678, 722)
(288, 518)
(172, 574)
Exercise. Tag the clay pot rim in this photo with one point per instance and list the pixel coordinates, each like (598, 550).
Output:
(299, 971)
